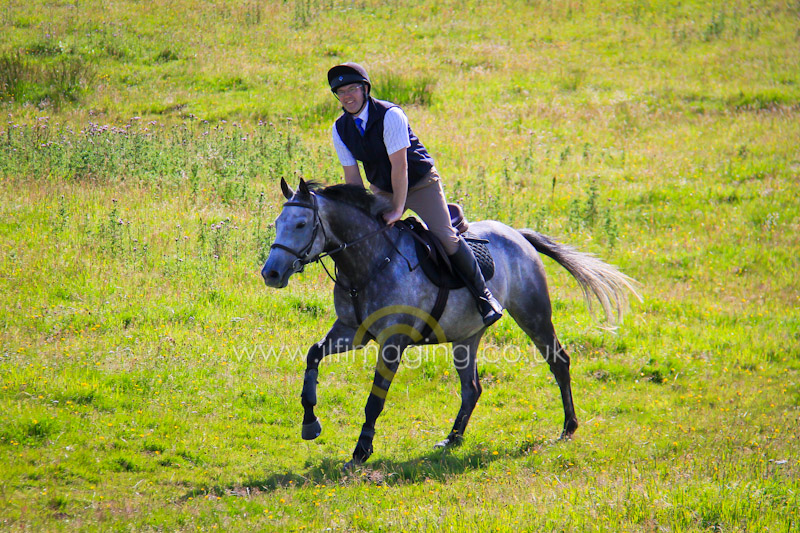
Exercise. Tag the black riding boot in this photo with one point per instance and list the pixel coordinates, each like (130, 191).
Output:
(466, 266)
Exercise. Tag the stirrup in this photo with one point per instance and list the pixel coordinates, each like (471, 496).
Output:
(490, 309)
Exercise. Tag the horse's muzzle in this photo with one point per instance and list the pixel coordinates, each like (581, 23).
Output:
(275, 273)
(277, 270)
(273, 278)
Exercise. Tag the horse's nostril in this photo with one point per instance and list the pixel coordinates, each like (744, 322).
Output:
(272, 274)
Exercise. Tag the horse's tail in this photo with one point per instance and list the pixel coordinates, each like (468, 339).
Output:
(608, 284)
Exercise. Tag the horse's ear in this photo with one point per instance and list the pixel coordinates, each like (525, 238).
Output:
(287, 191)
(303, 188)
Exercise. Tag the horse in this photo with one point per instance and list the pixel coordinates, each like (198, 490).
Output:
(375, 278)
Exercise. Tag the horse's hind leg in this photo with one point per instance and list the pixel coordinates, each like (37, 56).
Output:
(464, 357)
(558, 360)
(540, 330)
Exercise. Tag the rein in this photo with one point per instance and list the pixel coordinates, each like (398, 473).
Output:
(302, 255)
(303, 258)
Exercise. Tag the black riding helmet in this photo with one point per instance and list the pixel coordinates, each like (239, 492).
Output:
(346, 74)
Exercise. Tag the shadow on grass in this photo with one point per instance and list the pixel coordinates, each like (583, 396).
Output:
(437, 465)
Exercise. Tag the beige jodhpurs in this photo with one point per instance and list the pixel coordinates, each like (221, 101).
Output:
(427, 200)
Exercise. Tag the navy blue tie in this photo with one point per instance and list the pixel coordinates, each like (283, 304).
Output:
(359, 125)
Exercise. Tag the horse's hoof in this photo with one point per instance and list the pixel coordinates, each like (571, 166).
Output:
(449, 442)
(569, 430)
(311, 431)
(360, 456)
(362, 453)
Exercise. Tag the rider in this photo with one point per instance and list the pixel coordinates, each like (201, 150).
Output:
(399, 169)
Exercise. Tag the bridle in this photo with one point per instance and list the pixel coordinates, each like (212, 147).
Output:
(303, 255)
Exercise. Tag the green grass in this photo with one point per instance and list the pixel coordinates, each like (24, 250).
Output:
(149, 381)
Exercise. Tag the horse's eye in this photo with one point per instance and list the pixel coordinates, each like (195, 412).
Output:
(301, 225)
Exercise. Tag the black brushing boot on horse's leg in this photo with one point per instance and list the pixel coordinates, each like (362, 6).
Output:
(466, 266)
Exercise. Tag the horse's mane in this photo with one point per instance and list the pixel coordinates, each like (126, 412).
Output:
(353, 195)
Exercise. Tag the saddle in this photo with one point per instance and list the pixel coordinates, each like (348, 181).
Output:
(434, 260)
(435, 263)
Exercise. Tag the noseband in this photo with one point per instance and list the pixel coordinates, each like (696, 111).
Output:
(303, 254)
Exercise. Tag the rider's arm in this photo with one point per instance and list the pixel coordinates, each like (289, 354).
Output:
(397, 140)
(399, 161)
(352, 175)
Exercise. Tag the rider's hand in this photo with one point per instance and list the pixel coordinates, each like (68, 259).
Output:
(390, 217)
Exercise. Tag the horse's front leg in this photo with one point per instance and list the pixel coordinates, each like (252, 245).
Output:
(385, 369)
(339, 339)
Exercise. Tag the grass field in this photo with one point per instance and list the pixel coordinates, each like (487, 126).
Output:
(149, 380)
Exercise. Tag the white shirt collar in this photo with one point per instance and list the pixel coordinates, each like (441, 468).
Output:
(364, 115)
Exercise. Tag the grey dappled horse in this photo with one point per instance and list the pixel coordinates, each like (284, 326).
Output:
(378, 296)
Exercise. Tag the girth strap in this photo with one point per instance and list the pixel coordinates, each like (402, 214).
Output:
(436, 313)
(356, 306)
(441, 296)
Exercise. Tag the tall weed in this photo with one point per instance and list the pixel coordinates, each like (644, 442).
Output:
(226, 157)
(405, 90)
(64, 80)
(587, 214)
